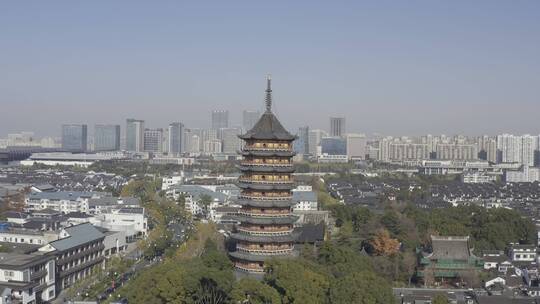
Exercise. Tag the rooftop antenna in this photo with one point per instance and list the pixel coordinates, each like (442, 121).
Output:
(268, 98)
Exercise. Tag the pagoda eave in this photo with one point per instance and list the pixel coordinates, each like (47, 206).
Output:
(290, 219)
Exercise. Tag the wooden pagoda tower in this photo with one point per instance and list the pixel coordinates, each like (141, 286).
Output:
(266, 220)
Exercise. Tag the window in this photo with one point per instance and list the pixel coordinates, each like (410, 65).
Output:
(8, 274)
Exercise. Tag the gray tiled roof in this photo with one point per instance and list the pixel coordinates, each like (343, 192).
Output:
(304, 196)
(65, 195)
(79, 235)
(268, 127)
(135, 210)
(197, 191)
(450, 247)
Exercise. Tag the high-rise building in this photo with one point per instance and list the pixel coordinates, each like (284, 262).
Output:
(519, 149)
(249, 118)
(192, 140)
(175, 138)
(529, 145)
(231, 142)
(74, 137)
(106, 137)
(301, 144)
(456, 151)
(402, 149)
(333, 146)
(356, 146)
(220, 119)
(337, 126)
(134, 135)
(266, 220)
(212, 146)
(314, 140)
(153, 140)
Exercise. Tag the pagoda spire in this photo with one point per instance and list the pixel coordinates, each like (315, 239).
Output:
(268, 98)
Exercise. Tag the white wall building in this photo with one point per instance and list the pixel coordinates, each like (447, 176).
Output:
(356, 146)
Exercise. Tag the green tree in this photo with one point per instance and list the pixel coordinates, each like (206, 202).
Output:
(250, 291)
(361, 288)
(297, 281)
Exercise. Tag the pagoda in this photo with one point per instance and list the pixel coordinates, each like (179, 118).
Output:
(266, 220)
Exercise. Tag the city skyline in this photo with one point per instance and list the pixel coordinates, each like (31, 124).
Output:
(379, 65)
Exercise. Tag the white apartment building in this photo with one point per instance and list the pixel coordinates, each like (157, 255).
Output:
(168, 181)
(523, 253)
(27, 236)
(62, 201)
(304, 201)
(356, 146)
(525, 175)
(27, 278)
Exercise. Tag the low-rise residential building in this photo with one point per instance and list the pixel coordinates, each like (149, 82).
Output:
(523, 253)
(304, 201)
(62, 201)
(169, 181)
(27, 278)
(26, 236)
(132, 221)
(107, 204)
(114, 242)
(193, 195)
(78, 252)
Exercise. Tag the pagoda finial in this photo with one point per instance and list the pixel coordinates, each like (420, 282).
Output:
(268, 93)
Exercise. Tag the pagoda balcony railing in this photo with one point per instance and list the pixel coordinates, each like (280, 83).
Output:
(252, 148)
(265, 197)
(265, 252)
(253, 164)
(265, 232)
(250, 269)
(264, 214)
(266, 181)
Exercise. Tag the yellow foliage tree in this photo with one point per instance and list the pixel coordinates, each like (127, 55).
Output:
(383, 244)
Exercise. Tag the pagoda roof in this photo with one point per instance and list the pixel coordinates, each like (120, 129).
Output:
(268, 128)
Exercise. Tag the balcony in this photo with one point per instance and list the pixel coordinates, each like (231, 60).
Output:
(268, 230)
(265, 252)
(81, 266)
(81, 254)
(265, 181)
(266, 197)
(265, 186)
(266, 167)
(38, 274)
(270, 149)
(250, 269)
(264, 214)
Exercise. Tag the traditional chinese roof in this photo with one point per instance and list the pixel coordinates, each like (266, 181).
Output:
(450, 248)
(268, 127)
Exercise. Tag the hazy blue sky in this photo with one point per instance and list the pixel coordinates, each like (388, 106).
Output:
(393, 67)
